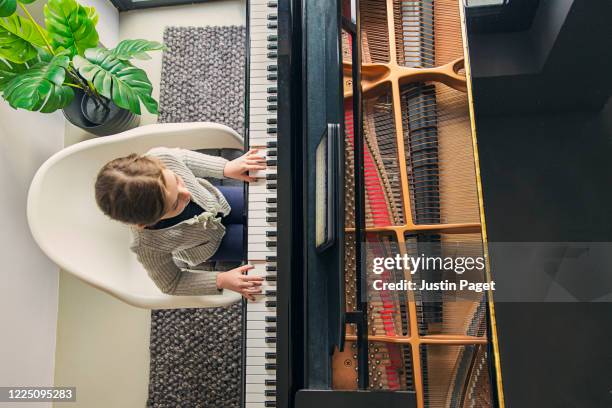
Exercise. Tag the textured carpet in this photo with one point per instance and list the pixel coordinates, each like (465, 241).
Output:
(196, 353)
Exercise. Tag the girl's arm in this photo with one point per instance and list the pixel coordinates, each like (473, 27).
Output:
(170, 279)
(203, 165)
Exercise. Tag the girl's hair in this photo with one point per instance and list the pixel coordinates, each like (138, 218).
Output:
(132, 189)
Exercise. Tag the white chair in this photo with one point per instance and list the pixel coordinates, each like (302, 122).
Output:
(70, 229)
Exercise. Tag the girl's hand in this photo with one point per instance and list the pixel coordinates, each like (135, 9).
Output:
(239, 168)
(238, 281)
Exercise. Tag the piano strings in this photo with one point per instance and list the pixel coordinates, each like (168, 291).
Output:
(422, 197)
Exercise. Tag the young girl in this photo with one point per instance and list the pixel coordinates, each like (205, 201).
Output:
(178, 219)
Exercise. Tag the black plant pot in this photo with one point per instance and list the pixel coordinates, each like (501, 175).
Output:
(98, 119)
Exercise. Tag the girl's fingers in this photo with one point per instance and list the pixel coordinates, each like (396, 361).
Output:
(255, 162)
(249, 284)
(255, 167)
(245, 268)
(252, 278)
(252, 291)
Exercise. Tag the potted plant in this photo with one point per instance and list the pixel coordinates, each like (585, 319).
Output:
(62, 66)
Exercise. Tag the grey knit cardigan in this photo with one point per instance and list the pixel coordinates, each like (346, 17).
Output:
(172, 256)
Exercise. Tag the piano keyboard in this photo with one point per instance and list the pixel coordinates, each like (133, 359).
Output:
(260, 342)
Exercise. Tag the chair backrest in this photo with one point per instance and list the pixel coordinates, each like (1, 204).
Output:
(70, 229)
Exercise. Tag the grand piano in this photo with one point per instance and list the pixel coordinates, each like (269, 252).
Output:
(363, 109)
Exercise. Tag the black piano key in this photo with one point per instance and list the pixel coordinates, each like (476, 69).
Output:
(270, 340)
(272, 68)
(270, 366)
(271, 130)
(270, 258)
(270, 293)
(270, 404)
(270, 319)
(271, 145)
(270, 278)
(270, 176)
(270, 303)
(272, 98)
(271, 210)
(270, 383)
(271, 163)
(272, 77)
(270, 233)
(272, 46)
(272, 4)
(270, 219)
(272, 89)
(272, 26)
(270, 393)
(270, 200)
(270, 356)
(271, 121)
(272, 17)
(271, 186)
(271, 153)
(272, 107)
(270, 329)
(272, 54)
(271, 244)
(270, 268)
(272, 37)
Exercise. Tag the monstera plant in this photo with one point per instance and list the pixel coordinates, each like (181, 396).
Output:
(63, 66)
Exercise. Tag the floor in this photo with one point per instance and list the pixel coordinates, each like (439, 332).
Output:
(102, 344)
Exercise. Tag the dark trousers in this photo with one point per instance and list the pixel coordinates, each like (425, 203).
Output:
(232, 244)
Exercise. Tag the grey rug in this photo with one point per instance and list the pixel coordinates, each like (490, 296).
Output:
(196, 353)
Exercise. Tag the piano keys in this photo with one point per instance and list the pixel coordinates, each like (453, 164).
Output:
(259, 369)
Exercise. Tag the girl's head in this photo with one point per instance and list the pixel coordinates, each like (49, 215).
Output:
(140, 190)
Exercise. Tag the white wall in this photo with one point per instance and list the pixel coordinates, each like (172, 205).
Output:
(108, 24)
(28, 292)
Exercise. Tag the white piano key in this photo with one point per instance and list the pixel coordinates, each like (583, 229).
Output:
(263, 81)
(257, 388)
(257, 360)
(258, 325)
(250, 370)
(259, 378)
(253, 315)
(255, 397)
(254, 405)
(261, 222)
(259, 342)
(261, 307)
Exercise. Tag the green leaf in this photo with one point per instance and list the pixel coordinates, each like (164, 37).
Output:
(8, 71)
(138, 49)
(71, 26)
(19, 39)
(92, 14)
(118, 80)
(26, 1)
(7, 7)
(41, 88)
